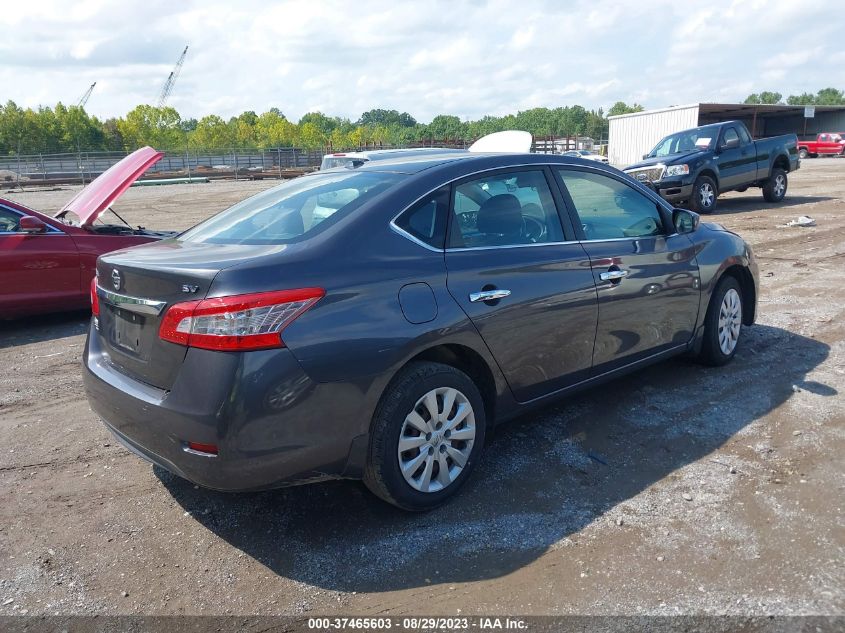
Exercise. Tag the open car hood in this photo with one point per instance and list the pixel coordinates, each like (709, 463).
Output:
(98, 196)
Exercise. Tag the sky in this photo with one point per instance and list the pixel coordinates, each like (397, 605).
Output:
(469, 59)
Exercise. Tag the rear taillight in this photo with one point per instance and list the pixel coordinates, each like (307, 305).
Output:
(95, 300)
(239, 322)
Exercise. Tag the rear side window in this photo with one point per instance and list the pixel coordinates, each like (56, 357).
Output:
(610, 209)
(426, 220)
(505, 209)
(292, 211)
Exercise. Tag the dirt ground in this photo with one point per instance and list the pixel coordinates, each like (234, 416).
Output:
(678, 490)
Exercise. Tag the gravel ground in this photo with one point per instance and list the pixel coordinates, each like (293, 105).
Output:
(678, 490)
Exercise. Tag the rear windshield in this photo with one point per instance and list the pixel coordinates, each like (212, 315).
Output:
(291, 211)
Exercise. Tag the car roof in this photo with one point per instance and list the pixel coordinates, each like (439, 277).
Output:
(417, 164)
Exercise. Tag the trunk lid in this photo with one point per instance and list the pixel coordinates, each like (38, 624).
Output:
(101, 193)
(136, 286)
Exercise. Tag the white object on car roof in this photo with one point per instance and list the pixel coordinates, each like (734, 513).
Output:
(509, 141)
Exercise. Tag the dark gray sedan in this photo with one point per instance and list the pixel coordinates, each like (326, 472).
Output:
(376, 322)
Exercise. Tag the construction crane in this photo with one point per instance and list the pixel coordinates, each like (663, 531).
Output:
(84, 98)
(167, 88)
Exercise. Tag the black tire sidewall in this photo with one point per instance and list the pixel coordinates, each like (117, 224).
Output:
(383, 472)
(711, 352)
(695, 199)
(769, 188)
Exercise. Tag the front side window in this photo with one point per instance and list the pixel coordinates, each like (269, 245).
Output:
(291, 211)
(609, 208)
(743, 136)
(10, 222)
(505, 209)
(730, 135)
(426, 220)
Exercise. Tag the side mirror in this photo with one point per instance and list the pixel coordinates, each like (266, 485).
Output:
(645, 156)
(31, 224)
(731, 144)
(685, 221)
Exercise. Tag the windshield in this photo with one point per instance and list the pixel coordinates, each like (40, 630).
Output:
(687, 141)
(291, 211)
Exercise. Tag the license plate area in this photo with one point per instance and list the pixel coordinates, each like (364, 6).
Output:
(126, 330)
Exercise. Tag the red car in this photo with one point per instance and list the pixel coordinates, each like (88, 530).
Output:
(47, 263)
(826, 143)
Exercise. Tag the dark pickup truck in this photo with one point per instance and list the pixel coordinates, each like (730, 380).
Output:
(692, 167)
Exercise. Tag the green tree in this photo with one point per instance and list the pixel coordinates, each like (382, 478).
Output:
(830, 96)
(212, 132)
(272, 129)
(620, 107)
(804, 98)
(765, 97)
(324, 124)
(446, 127)
(150, 125)
(387, 118)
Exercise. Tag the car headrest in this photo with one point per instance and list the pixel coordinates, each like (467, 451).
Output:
(501, 214)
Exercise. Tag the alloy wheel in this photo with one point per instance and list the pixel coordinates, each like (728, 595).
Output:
(730, 321)
(780, 185)
(436, 439)
(706, 195)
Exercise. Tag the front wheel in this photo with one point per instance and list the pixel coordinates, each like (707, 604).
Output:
(704, 194)
(426, 436)
(775, 187)
(723, 323)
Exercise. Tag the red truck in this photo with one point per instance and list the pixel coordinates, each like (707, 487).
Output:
(826, 143)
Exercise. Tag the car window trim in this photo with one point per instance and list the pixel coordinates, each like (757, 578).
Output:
(664, 213)
(560, 194)
(398, 229)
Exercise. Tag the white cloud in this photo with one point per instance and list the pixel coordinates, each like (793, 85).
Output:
(468, 58)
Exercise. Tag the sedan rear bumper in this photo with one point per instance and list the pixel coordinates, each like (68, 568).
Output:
(272, 428)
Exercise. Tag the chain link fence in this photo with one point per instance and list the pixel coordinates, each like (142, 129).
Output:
(82, 167)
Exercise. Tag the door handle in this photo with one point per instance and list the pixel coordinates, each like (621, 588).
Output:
(489, 295)
(613, 275)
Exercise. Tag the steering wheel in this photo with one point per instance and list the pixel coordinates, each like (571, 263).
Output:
(533, 229)
(643, 228)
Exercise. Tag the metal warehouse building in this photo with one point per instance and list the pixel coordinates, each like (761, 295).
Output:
(632, 135)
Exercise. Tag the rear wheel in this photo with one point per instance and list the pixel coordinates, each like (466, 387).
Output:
(704, 194)
(723, 323)
(426, 437)
(775, 187)
(802, 153)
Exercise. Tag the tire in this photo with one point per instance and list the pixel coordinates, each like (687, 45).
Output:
(704, 194)
(430, 447)
(722, 324)
(775, 187)
(803, 153)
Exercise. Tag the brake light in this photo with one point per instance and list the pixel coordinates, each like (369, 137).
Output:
(95, 300)
(208, 450)
(238, 322)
